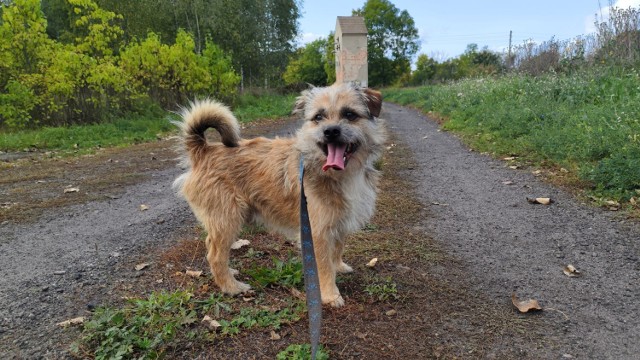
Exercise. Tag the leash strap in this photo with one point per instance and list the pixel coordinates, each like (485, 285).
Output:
(311, 282)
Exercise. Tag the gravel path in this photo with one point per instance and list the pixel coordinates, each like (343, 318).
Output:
(511, 245)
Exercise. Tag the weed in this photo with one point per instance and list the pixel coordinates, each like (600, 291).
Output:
(301, 352)
(382, 289)
(251, 317)
(285, 273)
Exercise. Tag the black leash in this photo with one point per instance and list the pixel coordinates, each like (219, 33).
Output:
(311, 282)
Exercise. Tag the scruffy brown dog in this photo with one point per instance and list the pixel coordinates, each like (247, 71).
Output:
(241, 181)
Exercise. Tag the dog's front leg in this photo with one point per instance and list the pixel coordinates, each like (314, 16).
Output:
(340, 265)
(324, 249)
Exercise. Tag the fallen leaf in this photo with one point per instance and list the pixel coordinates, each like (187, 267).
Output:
(75, 321)
(391, 312)
(144, 207)
(514, 167)
(571, 271)
(71, 190)
(142, 266)
(240, 243)
(537, 172)
(508, 182)
(274, 335)
(193, 273)
(247, 299)
(372, 262)
(509, 158)
(210, 323)
(297, 293)
(540, 200)
(525, 305)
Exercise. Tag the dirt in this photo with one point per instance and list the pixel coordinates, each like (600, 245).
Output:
(449, 232)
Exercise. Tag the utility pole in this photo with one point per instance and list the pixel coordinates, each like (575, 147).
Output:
(509, 62)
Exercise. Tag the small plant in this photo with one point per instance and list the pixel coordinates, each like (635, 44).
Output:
(144, 328)
(301, 352)
(250, 317)
(285, 273)
(382, 290)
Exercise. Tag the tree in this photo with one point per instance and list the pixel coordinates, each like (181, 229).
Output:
(392, 43)
(330, 58)
(307, 65)
(425, 70)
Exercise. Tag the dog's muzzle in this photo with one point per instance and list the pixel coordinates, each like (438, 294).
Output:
(338, 152)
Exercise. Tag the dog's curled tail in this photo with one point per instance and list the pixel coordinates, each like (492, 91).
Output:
(203, 114)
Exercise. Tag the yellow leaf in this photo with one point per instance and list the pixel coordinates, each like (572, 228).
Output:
(525, 306)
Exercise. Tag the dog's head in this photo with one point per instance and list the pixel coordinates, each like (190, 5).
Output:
(341, 130)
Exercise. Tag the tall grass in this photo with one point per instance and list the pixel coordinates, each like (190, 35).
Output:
(134, 128)
(588, 120)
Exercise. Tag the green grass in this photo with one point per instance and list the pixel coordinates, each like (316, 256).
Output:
(251, 107)
(132, 129)
(147, 328)
(285, 273)
(588, 121)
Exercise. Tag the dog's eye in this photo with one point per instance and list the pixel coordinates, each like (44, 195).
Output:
(350, 115)
(318, 117)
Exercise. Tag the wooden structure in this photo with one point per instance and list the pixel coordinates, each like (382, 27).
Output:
(351, 50)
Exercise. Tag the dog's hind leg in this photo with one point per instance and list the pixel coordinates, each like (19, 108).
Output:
(221, 235)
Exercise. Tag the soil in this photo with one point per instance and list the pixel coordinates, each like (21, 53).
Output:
(454, 231)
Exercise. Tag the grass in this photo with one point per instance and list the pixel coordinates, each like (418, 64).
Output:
(252, 107)
(132, 129)
(587, 122)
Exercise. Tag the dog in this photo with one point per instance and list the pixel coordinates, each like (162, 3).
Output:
(242, 181)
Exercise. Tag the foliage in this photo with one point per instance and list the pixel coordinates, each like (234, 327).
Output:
(287, 274)
(330, 58)
(131, 129)
(307, 66)
(586, 120)
(301, 352)
(265, 106)
(382, 289)
(146, 328)
(392, 41)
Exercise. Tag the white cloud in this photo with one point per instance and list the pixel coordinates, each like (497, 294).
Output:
(603, 15)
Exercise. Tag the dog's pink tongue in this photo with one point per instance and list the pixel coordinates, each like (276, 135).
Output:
(335, 157)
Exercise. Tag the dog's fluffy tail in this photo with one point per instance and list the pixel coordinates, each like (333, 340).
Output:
(203, 114)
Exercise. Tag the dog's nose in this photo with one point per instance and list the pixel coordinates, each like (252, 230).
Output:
(332, 132)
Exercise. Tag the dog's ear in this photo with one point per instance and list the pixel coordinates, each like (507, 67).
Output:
(374, 101)
(301, 101)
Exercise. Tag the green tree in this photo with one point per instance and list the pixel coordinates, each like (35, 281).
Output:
(425, 70)
(392, 43)
(330, 58)
(307, 65)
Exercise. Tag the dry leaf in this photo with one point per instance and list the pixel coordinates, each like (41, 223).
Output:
(525, 305)
(514, 167)
(75, 321)
(210, 323)
(571, 271)
(509, 158)
(540, 200)
(537, 172)
(193, 273)
(71, 190)
(144, 207)
(391, 312)
(297, 293)
(372, 262)
(240, 243)
(275, 336)
(508, 182)
(141, 266)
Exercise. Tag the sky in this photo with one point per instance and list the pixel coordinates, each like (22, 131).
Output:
(447, 27)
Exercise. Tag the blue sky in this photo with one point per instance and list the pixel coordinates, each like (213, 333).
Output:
(446, 27)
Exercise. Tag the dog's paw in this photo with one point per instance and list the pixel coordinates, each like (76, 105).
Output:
(236, 287)
(335, 302)
(344, 268)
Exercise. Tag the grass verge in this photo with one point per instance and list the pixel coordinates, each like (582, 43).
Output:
(132, 129)
(585, 123)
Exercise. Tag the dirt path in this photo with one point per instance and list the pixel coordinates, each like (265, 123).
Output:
(510, 245)
(60, 262)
